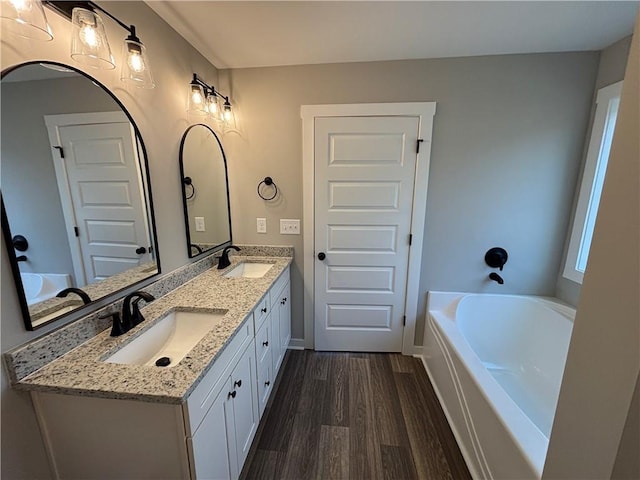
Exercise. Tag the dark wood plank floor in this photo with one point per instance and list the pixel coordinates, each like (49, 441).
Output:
(360, 416)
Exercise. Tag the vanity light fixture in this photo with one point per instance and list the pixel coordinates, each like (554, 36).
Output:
(204, 99)
(25, 18)
(90, 46)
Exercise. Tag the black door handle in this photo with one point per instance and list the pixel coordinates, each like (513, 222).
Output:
(238, 383)
(321, 256)
(232, 394)
(141, 250)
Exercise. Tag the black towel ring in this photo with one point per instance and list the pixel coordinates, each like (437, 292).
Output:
(268, 181)
(189, 183)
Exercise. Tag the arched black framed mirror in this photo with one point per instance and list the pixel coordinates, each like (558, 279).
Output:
(75, 185)
(205, 190)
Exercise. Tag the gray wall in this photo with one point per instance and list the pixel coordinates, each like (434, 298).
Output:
(613, 61)
(29, 187)
(161, 115)
(507, 142)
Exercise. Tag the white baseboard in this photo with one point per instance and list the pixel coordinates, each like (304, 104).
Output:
(296, 344)
(414, 351)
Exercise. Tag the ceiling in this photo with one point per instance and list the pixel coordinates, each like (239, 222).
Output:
(239, 34)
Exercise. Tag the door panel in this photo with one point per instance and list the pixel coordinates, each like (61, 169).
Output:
(357, 196)
(364, 173)
(360, 279)
(358, 238)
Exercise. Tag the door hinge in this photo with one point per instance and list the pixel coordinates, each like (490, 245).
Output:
(420, 140)
(76, 231)
(60, 149)
(410, 238)
(404, 320)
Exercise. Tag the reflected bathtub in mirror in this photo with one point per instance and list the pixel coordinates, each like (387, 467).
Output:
(75, 186)
(205, 191)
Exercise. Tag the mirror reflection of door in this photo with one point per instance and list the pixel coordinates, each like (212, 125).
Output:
(97, 171)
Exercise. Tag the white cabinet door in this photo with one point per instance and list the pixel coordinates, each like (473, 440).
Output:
(209, 445)
(281, 322)
(276, 350)
(245, 404)
(284, 313)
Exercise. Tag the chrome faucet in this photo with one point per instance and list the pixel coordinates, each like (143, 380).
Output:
(131, 315)
(496, 278)
(81, 293)
(224, 261)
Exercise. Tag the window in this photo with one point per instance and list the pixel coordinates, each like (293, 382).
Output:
(595, 168)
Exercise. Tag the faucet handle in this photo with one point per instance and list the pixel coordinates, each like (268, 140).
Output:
(117, 328)
(136, 317)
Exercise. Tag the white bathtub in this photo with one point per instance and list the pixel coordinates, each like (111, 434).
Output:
(496, 363)
(39, 287)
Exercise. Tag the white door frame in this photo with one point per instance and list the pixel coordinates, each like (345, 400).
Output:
(425, 112)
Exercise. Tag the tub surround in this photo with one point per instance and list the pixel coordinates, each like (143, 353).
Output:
(86, 342)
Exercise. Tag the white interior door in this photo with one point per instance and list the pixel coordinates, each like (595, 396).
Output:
(99, 175)
(364, 180)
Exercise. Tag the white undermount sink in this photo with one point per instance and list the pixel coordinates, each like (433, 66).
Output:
(249, 270)
(171, 338)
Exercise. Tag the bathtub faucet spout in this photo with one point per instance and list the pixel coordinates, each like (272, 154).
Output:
(496, 278)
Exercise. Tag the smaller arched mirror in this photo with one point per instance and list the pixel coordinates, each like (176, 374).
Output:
(205, 190)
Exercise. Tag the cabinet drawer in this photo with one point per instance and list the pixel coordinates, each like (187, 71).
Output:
(274, 293)
(261, 312)
(207, 390)
(265, 385)
(263, 344)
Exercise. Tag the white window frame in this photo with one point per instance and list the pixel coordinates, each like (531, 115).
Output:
(604, 122)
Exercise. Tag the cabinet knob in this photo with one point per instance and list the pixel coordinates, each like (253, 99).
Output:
(237, 384)
(265, 344)
(263, 310)
(267, 383)
(321, 256)
(232, 394)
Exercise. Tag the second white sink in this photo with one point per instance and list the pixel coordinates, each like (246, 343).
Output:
(249, 270)
(170, 339)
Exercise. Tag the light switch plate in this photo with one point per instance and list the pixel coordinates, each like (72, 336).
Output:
(261, 225)
(199, 224)
(289, 226)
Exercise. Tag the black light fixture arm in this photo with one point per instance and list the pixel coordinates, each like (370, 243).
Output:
(66, 7)
(209, 89)
(131, 28)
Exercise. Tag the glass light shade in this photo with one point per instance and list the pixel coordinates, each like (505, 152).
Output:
(213, 106)
(25, 18)
(226, 115)
(196, 101)
(136, 68)
(89, 44)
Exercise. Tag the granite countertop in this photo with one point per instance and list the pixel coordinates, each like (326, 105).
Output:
(82, 371)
